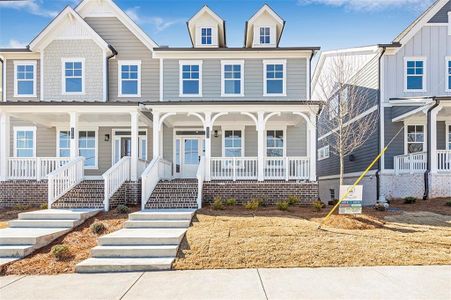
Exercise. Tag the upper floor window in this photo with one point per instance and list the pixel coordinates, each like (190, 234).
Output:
(265, 35)
(24, 141)
(190, 78)
(129, 78)
(415, 71)
(415, 138)
(233, 145)
(323, 152)
(232, 78)
(274, 143)
(275, 78)
(206, 36)
(25, 79)
(448, 74)
(73, 76)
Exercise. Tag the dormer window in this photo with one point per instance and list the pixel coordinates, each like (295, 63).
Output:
(265, 35)
(206, 36)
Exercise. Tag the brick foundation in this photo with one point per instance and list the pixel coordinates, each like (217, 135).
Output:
(269, 191)
(23, 192)
(128, 194)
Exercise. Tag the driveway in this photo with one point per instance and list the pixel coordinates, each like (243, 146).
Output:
(413, 282)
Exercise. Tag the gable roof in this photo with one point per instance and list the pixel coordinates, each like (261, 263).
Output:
(67, 12)
(215, 16)
(272, 13)
(116, 11)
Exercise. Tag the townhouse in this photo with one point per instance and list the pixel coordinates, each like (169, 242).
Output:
(409, 87)
(95, 113)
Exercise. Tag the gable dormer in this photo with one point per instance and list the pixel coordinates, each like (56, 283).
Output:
(264, 29)
(207, 29)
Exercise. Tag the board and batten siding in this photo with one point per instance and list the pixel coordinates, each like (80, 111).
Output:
(296, 82)
(93, 71)
(129, 47)
(10, 81)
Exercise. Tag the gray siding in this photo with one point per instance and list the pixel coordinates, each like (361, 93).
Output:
(216, 143)
(45, 138)
(297, 140)
(168, 143)
(441, 135)
(129, 47)
(397, 146)
(397, 111)
(442, 15)
(253, 80)
(251, 141)
(10, 81)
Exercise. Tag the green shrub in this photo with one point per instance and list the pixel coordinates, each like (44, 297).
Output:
(252, 204)
(293, 200)
(317, 205)
(448, 203)
(61, 252)
(98, 228)
(410, 200)
(21, 207)
(122, 209)
(282, 205)
(43, 206)
(217, 203)
(230, 202)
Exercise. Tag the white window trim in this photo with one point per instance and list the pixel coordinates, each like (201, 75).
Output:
(119, 86)
(447, 75)
(272, 37)
(235, 128)
(212, 36)
(415, 123)
(58, 130)
(24, 128)
(447, 132)
(190, 62)
(259, 35)
(63, 75)
(425, 66)
(114, 136)
(25, 63)
(274, 128)
(284, 83)
(96, 130)
(320, 157)
(232, 62)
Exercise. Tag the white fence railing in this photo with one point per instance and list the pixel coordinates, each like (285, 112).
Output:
(233, 168)
(157, 169)
(64, 178)
(35, 168)
(286, 168)
(411, 163)
(444, 160)
(200, 175)
(114, 178)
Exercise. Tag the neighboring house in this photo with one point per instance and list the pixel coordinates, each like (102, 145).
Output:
(92, 100)
(411, 80)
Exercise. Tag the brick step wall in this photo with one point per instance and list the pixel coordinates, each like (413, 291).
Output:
(87, 194)
(177, 193)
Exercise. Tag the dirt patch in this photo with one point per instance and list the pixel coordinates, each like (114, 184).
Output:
(80, 241)
(352, 222)
(422, 218)
(8, 214)
(437, 205)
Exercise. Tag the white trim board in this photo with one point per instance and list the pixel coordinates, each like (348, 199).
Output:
(35, 81)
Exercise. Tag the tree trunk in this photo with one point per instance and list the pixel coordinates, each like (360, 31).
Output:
(342, 167)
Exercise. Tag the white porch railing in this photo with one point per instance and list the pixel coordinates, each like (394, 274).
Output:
(157, 169)
(114, 178)
(233, 168)
(200, 175)
(34, 168)
(444, 160)
(65, 178)
(286, 168)
(411, 163)
(142, 165)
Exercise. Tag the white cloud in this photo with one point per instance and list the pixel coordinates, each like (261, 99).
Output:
(159, 23)
(32, 6)
(369, 5)
(14, 44)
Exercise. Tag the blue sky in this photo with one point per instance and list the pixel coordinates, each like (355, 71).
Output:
(330, 24)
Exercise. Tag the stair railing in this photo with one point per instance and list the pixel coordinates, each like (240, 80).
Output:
(158, 169)
(114, 178)
(200, 175)
(64, 178)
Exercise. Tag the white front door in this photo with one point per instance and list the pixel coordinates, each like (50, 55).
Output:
(188, 151)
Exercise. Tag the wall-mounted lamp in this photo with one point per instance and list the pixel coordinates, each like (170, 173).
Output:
(216, 134)
(351, 157)
(107, 137)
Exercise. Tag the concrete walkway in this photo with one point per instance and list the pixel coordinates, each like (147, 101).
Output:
(416, 282)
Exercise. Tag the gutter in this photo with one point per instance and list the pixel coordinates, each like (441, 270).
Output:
(114, 53)
(429, 139)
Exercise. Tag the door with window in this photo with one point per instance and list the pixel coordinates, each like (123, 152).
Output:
(188, 151)
(122, 144)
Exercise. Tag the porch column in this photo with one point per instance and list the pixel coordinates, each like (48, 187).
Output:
(208, 129)
(312, 147)
(134, 147)
(4, 145)
(156, 134)
(261, 153)
(432, 137)
(73, 134)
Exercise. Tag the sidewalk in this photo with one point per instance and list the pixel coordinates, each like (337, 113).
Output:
(416, 282)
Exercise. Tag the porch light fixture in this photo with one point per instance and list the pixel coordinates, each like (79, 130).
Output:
(107, 137)
(216, 134)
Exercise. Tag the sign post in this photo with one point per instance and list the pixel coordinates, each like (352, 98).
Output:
(352, 202)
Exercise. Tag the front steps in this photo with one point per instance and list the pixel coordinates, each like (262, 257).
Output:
(177, 193)
(147, 243)
(37, 229)
(87, 194)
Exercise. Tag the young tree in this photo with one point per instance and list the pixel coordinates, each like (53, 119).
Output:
(346, 90)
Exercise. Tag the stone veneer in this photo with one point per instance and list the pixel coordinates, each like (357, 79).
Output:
(269, 191)
(23, 192)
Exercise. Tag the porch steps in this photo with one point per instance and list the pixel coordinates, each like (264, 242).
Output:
(177, 193)
(147, 243)
(87, 194)
(37, 229)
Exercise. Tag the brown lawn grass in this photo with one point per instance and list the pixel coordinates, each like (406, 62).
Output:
(238, 238)
(8, 214)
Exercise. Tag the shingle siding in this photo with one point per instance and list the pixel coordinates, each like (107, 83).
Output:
(442, 15)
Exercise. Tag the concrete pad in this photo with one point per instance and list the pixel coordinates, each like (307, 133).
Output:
(70, 286)
(205, 284)
(6, 280)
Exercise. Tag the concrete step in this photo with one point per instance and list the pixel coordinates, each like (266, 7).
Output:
(44, 223)
(143, 236)
(157, 224)
(163, 214)
(15, 250)
(37, 237)
(94, 265)
(7, 260)
(134, 251)
(59, 214)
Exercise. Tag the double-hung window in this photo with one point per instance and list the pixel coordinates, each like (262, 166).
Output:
(323, 152)
(415, 75)
(415, 138)
(233, 144)
(25, 79)
(190, 78)
(232, 78)
(24, 141)
(64, 143)
(129, 78)
(448, 136)
(448, 74)
(87, 147)
(206, 36)
(73, 75)
(274, 78)
(265, 35)
(274, 143)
